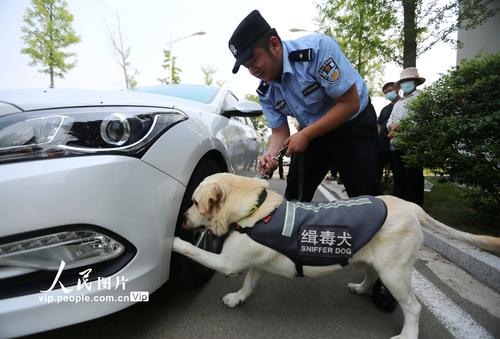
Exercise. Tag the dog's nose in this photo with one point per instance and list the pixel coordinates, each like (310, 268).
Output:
(183, 221)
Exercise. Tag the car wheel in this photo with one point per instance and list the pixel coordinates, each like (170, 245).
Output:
(184, 271)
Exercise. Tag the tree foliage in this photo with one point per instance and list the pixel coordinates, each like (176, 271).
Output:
(454, 126)
(427, 22)
(361, 29)
(47, 35)
(172, 71)
(220, 83)
(372, 33)
(122, 52)
(208, 73)
(259, 122)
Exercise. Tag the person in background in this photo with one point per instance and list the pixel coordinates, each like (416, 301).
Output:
(280, 168)
(391, 93)
(408, 181)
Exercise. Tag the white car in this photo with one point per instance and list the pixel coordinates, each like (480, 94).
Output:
(93, 185)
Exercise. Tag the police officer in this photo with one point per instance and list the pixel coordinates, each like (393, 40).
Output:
(313, 81)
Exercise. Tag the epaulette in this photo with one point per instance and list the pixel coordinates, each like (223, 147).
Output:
(262, 89)
(301, 55)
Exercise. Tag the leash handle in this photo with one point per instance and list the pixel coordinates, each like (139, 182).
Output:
(281, 154)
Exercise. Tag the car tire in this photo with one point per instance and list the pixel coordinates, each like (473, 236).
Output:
(184, 271)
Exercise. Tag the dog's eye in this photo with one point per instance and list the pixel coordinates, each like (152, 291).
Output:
(195, 203)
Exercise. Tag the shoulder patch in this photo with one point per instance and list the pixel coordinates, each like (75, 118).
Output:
(301, 55)
(262, 89)
(329, 70)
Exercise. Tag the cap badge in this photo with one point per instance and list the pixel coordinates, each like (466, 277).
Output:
(233, 49)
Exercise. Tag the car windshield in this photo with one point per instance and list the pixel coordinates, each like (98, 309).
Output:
(200, 93)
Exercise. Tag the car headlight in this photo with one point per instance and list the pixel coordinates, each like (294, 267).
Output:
(80, 131)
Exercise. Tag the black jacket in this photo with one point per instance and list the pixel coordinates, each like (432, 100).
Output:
(382, 121)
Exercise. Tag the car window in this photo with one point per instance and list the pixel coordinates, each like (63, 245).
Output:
(199, 93)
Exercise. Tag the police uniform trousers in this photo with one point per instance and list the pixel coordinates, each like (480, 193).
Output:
(352, 149)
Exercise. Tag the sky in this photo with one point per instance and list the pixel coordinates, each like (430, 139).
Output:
(148, 26)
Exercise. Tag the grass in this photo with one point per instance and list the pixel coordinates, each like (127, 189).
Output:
(450, 204)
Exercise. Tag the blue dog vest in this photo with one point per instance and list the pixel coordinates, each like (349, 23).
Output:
(320, 234)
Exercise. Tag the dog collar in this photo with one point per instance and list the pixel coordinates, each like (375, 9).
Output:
(260, 201)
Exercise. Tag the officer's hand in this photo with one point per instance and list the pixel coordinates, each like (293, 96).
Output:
(296, 143)
(267, 164)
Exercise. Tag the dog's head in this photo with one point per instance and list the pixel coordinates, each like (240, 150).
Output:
(222, 199)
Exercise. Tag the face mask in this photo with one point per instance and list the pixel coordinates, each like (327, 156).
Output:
(407, 86)
(391, 95)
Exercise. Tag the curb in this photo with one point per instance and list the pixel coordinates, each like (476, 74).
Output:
(335, 188)
(482, 265)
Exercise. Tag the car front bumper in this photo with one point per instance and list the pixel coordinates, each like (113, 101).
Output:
(122, 195)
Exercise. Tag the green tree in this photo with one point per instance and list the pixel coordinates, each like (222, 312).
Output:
(220, 83)
(208, 73)
(259, 122)
(169, 65)
(454, 127)
(122, 53)
(47, 35)
(370, 34)
(361, 29)
(427, 22)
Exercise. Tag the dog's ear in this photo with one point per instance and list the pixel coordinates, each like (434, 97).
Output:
(212, 196)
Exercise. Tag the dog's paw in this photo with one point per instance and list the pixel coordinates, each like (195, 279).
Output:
(356, 289)
(180, 246)
(233, 299)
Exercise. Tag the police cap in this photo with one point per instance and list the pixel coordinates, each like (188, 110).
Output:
(246, 35)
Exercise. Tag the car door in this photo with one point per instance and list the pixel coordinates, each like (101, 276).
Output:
(255, 145)
(243, 142)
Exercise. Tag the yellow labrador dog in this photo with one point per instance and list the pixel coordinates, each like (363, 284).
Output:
(223, 200)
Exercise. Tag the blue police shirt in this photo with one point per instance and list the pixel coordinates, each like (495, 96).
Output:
(309, 86)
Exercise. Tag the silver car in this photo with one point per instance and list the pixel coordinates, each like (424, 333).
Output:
(93, 185)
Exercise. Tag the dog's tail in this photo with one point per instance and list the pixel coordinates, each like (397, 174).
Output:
(485, 242)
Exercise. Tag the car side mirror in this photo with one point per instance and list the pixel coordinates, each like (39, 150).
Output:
(244, 108)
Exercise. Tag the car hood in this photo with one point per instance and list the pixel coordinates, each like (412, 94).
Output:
(12, 101)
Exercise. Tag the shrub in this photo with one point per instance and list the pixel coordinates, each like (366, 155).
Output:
(454, 127)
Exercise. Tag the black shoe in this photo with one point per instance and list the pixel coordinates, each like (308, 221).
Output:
(382, 298)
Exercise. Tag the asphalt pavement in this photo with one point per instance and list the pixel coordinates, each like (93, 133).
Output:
(455, 305)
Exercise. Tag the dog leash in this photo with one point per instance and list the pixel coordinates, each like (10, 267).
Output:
(280, 155)
(300, 159)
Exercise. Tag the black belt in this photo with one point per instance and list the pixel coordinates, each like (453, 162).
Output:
(364, 124)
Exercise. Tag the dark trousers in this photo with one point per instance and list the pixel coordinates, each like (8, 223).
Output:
(385, 158)
(280, 168)
(352, 149)
(408, 181)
